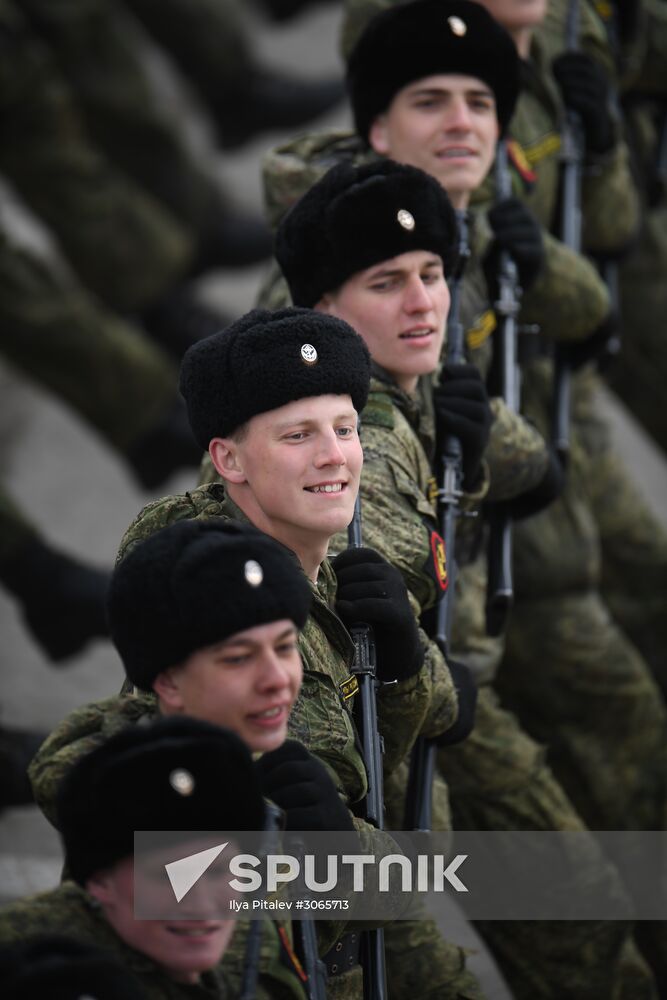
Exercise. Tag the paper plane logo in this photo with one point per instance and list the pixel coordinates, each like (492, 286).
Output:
(185, 872)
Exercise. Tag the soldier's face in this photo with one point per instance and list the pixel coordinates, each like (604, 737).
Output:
(247, 683)
(516, 14)
(295, 473)
(445, 124)
(184, 948)
(400, 308)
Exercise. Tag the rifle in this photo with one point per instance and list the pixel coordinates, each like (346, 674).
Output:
(500, 589)
(571, 158)
(316, 987)
(272, 823)
(418, 807)
(364, 667)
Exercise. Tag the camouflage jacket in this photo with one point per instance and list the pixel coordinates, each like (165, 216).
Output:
(322, 717)
(70, 910)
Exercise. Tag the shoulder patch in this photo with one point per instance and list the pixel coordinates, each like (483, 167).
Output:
(349, 687)
(439, 560)
(482, 328)
(379, 411)
(520, 163)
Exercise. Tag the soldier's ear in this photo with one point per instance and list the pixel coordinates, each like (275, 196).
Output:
(378, 137)
(101, 887)
(325, 304)
(168, 690)
(224, 454)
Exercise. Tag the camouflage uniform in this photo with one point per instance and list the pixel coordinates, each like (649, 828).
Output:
(94, 46)
(61, 337)
(121, 242)
(69, 909)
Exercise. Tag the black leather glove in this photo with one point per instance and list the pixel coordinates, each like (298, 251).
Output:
(302, 787)
(585, 89)
(372, 592)
(466, 690)
(462, 408)
(592, 348)
(516, 230)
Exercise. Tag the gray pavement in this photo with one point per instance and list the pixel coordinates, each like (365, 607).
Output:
(82, 498)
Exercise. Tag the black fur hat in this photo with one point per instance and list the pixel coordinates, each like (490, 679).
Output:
(195, 583)
(355, 217)
(265, 360)
(61, 968)
(176, 774)
(414, 40)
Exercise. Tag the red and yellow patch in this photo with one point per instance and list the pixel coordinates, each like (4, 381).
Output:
(439, 560)
(520, 162)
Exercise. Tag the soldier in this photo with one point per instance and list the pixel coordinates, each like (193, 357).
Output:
(233, 662)
(283, 436)
(128, 783)
(344, 251)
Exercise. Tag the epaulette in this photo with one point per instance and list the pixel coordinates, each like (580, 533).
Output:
(379, 411)
(520, 163)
